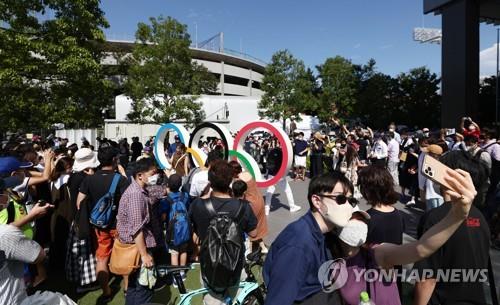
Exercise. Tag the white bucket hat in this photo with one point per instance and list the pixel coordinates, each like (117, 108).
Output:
(85, 158)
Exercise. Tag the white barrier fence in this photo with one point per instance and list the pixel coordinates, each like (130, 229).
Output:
(76, 135)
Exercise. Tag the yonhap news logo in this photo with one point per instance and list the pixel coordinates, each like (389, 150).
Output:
(334, 274)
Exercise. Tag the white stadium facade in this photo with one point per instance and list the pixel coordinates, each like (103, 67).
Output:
(239, 74)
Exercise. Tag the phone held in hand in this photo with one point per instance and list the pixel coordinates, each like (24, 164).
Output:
(435, 170)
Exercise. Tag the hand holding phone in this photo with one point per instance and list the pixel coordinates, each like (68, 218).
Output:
(458, 185)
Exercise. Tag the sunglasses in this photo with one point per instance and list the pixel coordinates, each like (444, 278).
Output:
(341, 199)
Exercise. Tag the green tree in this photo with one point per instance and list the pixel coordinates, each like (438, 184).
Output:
(339, 84)
(487, 99)
(288, 88)
(50, 68)
(417, 99)
(163, 80)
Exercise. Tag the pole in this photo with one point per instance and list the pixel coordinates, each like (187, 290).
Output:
(196, 34)
(496, 91)
(221, 42)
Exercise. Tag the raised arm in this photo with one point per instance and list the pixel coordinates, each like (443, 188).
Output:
(462, 195)
(48, 158)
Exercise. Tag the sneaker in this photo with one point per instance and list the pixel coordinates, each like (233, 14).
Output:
(294, 208)
(268, 208)
(411, 202)
(264, 249)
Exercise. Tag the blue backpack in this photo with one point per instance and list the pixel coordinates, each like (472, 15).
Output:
(179, 231)
(103, 212)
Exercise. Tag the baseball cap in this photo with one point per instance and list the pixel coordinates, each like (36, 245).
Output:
(11, 164)
(433, 149)
(357, 211)
(10, 182)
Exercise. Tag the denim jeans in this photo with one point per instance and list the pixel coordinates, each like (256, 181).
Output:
(433, 203)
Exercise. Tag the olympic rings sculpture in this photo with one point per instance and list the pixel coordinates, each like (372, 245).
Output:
(233, 148)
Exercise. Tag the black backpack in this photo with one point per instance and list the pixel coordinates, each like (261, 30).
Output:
(222, 250)
(274, 159)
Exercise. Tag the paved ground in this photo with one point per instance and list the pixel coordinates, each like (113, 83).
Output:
(280, 217)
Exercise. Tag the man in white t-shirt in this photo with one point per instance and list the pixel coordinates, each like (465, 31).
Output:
(433, 198)
(379, 152)
(393, 158)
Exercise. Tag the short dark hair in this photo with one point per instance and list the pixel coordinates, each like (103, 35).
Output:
(326, 183)
(377, 186)
(174, 182)
(458, 159)
(142, 166)
(220, 176)
(236, 168)
(471, 139)
(213, 156)
(489, 132)
(106, 154)
(239, 188)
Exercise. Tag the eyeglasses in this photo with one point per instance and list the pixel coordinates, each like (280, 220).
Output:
(341, 199)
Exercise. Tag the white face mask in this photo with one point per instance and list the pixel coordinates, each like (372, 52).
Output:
(152, 180)
(336, 214)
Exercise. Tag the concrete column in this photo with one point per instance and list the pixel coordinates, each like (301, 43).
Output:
(250, 81)
(460, 61)
(222, 78)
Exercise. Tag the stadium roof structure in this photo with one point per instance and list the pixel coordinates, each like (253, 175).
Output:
(460, 53)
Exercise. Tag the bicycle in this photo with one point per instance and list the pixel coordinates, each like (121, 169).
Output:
(251, 292)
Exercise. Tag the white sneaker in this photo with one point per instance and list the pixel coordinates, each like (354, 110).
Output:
(267, 209)
(294, 208)
(411, 202)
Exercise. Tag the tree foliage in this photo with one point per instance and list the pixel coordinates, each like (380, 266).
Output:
(487, 99)
(288, 88)
(163, 81)
(349, 91)
(50, 68)
(338, 88)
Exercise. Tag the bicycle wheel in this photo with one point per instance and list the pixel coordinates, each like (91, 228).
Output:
(254, 298)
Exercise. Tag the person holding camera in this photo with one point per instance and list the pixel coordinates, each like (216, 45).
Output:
(472, 127)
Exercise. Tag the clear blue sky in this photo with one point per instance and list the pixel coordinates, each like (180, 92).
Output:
(311, 30)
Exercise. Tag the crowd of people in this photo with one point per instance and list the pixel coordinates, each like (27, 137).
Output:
(110, 209)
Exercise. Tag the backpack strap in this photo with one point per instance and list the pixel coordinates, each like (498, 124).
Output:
(491, 144)
(11, 212)
(114, 184)
(241, 212)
